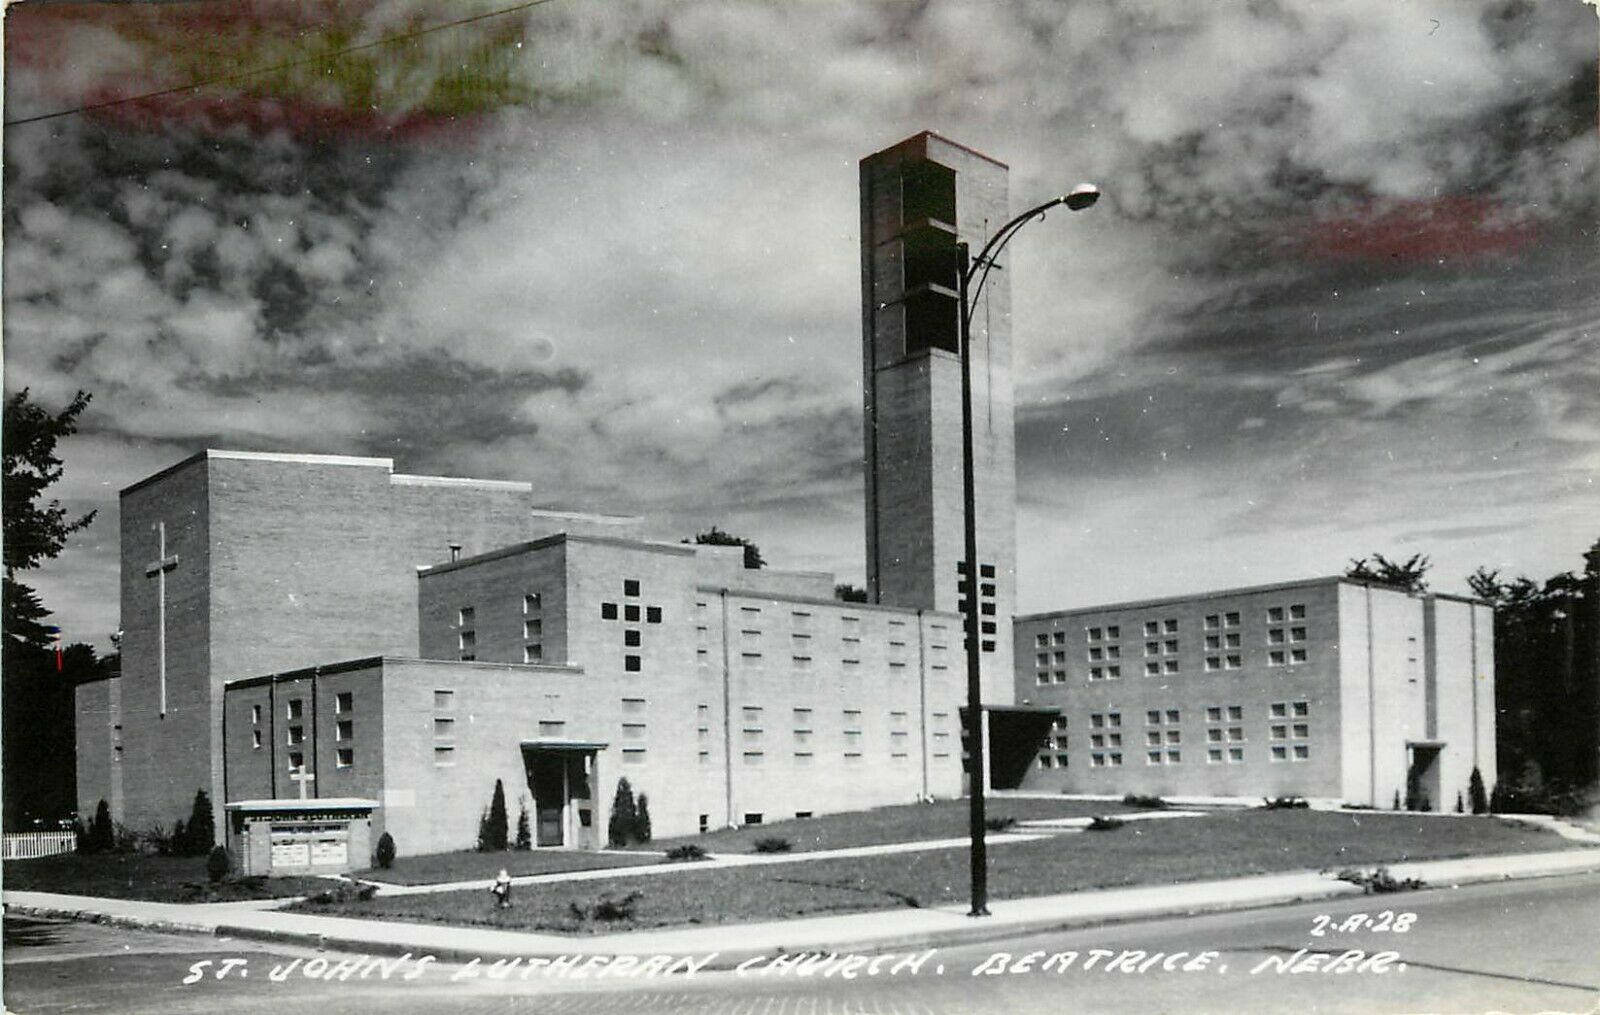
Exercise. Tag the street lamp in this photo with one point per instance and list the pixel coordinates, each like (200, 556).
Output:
(1079, 198)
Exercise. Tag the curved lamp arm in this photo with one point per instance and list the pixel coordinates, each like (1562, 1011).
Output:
(1081, 197)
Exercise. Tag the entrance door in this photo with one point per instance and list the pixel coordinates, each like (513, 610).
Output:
(548, 781)
(1422, 779)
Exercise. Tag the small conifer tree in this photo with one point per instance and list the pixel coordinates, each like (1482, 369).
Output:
(624, 814)
(524, 831)
(385, 851)
(498, 821)
(103, 832)
(202, 831)
(1475, 792)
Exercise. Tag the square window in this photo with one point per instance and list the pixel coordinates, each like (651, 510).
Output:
(532, 629)
(344, 757)
(630, 637)
(1213, 621)
(1231, 639)
(1152, 738)
(344, 701)
(1235, 754)
(1301, 731)
(1114, 739)
(1172, 666)
(531, 603)
(985, 570)
(1174, 757)
(1278, 710)
(1094, 634)
(1114, 719)
(1171, 646)
(469, 641)
(1096, 673)
(987, 646)
(1173, 715)
(1113, 672)
(1213, 755)
(1275, 657)
(296, 761)
(533, 652)
(1152, 648)
(1153, 717)
(444, 699)
(1297, 655)
(985, 589)
(1275, 636)
(1170, 626)
(608, 611)
(1151, 628)
(1235, 711)
(1230, 620)
(1152, 668)
(1042, 660)
(1152, 758)
(1234, 662)
(988, 627)
(1061, 676)
(1113, 652)
(1097, 740)
(1214, 713)
(987, 609)
(1042, 640)
(1302, 708)
(630, 613)
(1042, 677)
(1213, 642)
(1097, 720)
(652, 614)
(1047, 761)
(1061, 637)
(630, 587)
(344, 729)
(1297, 634)
(1297, 612)
(1213, 662)
(1214, 735)
(1235, 732)
(1113, 633)
(444, 728)
(1096, 654)
(1275, 615)
(1301, 752)
(1174, 736)
(297, 735)
(1279, 752)
(1279, 732)
(1097, 761)
(631, 664)
(1115, 759)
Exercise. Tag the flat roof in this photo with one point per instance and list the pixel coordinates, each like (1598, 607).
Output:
(1337, 579)
(259, 456)
(846, 604)
(545, 542)
(368, 662)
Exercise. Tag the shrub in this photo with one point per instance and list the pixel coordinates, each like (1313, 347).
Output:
(483, 831)
(1284, 803)
(641, 820)
(385, 851)
(624, 815)
(1460, 806)
(343, 891)
(1396, 799)
(524, 832)
(773, 844)
(606, 908)
(1099, 823)
(1153, 803)
(1379, 881)
(999, 822)
(201, 833)
(1475, 792)
(218, 863)
(687, 851)
(100, 834)
(1536, 800)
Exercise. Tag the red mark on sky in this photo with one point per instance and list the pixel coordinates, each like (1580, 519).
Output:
(1447, 227)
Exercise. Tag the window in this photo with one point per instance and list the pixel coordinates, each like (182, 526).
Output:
(1280, 753)
(531, 603)
(444, 755)
(1230, 620)
(630, 637)
(1047, 761)
(1278, 710)
(705, 822)
(1213, 755)
(1301, 752)
(1213, 642)
(1171, 666)
(1275, 657)
(1235, 732)
(1275, 636)
(630, 613)
(1151, 628)
(1173, 715)
(630, 587)
(1214, 713)
(1095, 634)
(465, 616)
(652, 614)
(1213, 621)
(532, 653)
(1042, 640)
(1152, 668)
(1042, 659)
(255, 739)
(444, 699)
(1096, 654)
(985, 570)
(1213, 663)
(633, 755)
(1171, 646)
(344, 757)
(344, 729)
(552, 727)
(444, 728)
(255, 713)
(1275, 615)
(1115, 758)
(752, 817)
(1297, 655)
(1297, 611)
(1113, 633)
(636, 730)
(1097, 720)
(533, 630)
(1114, 719)
(295, 708)
(1174, 737)
(344, 701)
(1152, 758)
(1153, 717)
(752, 713)
(1235, 711)
(1301, 731)
(296, 760)
(1302, 708)
(1061, 637)
(1152, 648)
(1279, 732)
(297, 735)
(1113, 652)
(631, 664)
(1097, 761)
(608, 611)
(468, 641)
(1297, 634)
(1234, 662)
(1214, 735)
(1096, 673)
(1170, 626)
(1235, 755)
(1231, 639)
(1152, 738)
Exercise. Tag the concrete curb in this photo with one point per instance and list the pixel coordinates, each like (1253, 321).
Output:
(1091, 909)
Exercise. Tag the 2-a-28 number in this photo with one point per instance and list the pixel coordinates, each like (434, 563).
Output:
(1387, 921)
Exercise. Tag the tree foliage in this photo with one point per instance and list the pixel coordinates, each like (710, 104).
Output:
(641, 820)
(845, 592)
(624, 815)
(524, 830)
(385, 851)
(493, 828)
(1380, 570)
(201, 832)
(716, 537)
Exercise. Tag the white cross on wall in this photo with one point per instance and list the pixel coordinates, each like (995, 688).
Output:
(158, 569)
(301, 776)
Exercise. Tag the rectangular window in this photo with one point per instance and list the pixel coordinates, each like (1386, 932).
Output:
(631, 637)
(633, 730)
(1278, 710)
(1297, 634)
(630, 587)
(1275, 615)
(633, 755)
(344, 729)
(1301, 752)
(1113, 633)
(1234, 662)
(296, 708)
(1213, 755)
(444, 755)
(1280, 753)
(1173, 715)
(1230, 620)
(1153, 717)
(1275, 636)
(1171, 666)
(444, 699)
(465, 616)
(1297, 655)
(631, 664)
(1213, 663)
(1275, 657)
(255, 739)
(1061, 637)
(1278, 731)
(1174, 737)
(1171, 646)
(1231, 639)
(1213, 621)
(1152, 648)
(532, 630)
(1235, 711)
(1151, 628)
(297, 761)
(1214, 713)
(1152, 669)
(531, 603)
(344, 757)
(1042, 640)
(468, 641)
(1235, 732)
(1235, 755)
(1297, 612)
(1096, 654)
(752, 713)
(552, 727)
(297, 735)
(344, 701)
(1170, 626)
(1301, 731)
(1114, 719)
(1302, 708)
(533, 653)
(443, 728)
(1152, 738)
(1213, 642)
(255, 713)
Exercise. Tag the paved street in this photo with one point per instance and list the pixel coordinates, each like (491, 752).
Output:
(1514, 947)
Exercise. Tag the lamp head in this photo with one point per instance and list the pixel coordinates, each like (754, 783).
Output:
(1082, 196)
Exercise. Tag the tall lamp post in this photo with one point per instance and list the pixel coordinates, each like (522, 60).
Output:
(1081, 197)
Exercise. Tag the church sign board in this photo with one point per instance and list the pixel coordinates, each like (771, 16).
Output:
(313, 836)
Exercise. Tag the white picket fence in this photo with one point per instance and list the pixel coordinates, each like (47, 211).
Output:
(31, 845)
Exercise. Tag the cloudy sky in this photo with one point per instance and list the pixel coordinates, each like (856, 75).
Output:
(1339, 298)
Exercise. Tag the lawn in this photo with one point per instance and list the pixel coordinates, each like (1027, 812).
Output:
(942, 819)
(152, 878)
(435, 868)
(1158, 852)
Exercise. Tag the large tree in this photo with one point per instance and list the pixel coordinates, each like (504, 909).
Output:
(1380, 570)
(716, 537)
(39, 762)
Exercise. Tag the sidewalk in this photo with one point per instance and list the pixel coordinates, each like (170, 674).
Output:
(901, 929)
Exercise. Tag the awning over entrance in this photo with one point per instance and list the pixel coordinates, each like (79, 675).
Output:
(562, 777)
(565, 745)
(1013, 735)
